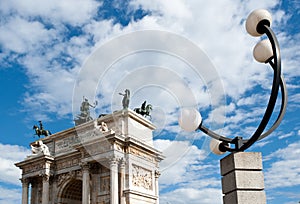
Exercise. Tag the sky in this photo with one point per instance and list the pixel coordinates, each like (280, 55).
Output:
(171, 53)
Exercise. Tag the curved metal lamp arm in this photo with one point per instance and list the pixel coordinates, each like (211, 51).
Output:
(283, 90)
(278, 81)
(262, 28)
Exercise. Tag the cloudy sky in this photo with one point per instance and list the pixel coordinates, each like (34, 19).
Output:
(171, 53)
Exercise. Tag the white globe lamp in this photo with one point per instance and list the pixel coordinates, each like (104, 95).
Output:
(256, 17)
(263, 52)
(189, 119)
(214, 146)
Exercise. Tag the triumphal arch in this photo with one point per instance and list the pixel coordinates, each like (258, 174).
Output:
(107, 160)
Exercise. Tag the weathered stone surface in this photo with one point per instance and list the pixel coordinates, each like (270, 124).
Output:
(243, 180)
(241, 161)
(245, 197)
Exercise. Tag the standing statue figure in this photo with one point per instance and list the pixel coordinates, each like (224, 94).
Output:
(126, 98)
(84, 116)
(40, 130)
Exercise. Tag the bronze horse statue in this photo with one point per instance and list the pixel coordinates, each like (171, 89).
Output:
(40, 130)
(144, 110)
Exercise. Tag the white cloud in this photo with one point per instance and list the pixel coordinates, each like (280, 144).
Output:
(10, 196)
(9, 155)
(22, 36)
(183, 17)
(192, 196)
(68, 11)
(285, 170)
(184, 167)
(180, 155)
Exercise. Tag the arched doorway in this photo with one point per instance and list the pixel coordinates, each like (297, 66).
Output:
(71, 192)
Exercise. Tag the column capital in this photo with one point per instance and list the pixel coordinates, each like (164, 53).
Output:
(85, 166)
(46, 178)
(113, 160)
(122, 162)
(24, 181)
(157, 174)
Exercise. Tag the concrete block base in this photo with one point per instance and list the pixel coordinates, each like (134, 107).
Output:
(245, 197)
(243, 181)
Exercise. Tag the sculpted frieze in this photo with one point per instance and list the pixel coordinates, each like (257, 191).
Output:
(67, 144)
(67, 163)
(33, 168)
(141, 154)
(141, 177)
(67, 176)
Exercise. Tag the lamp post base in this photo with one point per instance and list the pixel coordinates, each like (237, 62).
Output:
(242, 178)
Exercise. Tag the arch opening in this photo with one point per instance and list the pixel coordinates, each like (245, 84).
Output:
(72, 192)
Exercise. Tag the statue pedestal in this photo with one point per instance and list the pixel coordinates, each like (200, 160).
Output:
(242, 178)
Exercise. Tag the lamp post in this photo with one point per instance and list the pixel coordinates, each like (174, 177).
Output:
(242, 180)
(266, 51)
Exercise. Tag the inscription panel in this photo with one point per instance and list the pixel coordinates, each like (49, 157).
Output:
(66, 144)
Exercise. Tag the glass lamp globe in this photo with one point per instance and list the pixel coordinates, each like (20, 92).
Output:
(189, 119)
(255, 17)
(262, 52)
(214, 146)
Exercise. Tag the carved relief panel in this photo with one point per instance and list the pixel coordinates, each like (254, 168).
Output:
(142, 177)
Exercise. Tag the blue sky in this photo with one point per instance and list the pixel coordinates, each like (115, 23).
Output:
(46, 47)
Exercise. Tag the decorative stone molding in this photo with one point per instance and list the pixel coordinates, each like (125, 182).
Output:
(141, 177)
(118, 147)
(33, 168)
(25, 181)
(62, 178)
(85, 166)
(66, 163)
(140, 154)
(157, 174)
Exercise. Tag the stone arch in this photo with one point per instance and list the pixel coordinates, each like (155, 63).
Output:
(71, 192)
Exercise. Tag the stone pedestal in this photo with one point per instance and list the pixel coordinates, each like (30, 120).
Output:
(242, 178)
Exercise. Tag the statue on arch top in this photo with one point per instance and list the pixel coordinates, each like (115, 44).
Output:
(144, 110)
(84, 115)
(40, 130)
(126, 99)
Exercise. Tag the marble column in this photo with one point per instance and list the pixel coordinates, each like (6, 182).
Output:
(25, 186)
(34, 191)
(157, 174)
(85, 184)
(122, 182)
(114, 197)
(45, 196)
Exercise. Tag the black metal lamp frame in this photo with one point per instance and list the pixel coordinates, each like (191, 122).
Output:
(278, 82)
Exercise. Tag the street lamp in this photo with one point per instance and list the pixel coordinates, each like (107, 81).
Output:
(266, 51)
